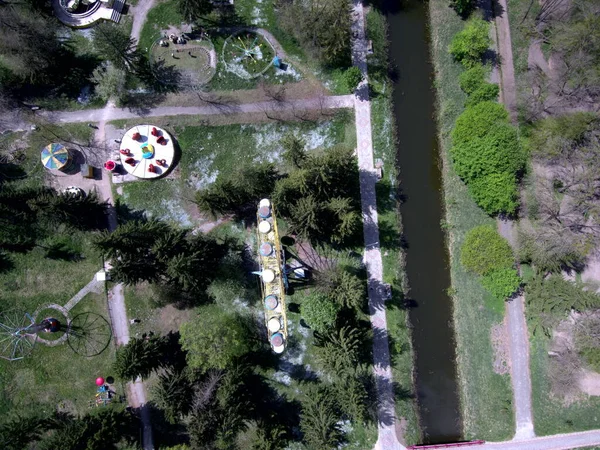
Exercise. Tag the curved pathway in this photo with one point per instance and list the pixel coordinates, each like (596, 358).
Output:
(386, 410)
(139, 13)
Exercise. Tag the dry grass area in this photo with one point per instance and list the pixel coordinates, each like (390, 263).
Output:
(499, 338)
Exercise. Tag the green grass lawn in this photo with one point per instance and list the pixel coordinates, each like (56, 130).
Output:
(550, 414)
(207, 151)
(486, 397)
(50, 377)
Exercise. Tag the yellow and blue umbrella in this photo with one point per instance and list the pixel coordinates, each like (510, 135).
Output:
(55, 156)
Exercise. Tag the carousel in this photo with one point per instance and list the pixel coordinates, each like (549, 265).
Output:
(146, 151)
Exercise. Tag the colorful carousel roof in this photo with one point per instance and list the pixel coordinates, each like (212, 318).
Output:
(55, 156)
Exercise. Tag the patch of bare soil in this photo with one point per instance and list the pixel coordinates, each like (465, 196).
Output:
(171, 318)
(589, 382)
(499, 338)
(571, 381)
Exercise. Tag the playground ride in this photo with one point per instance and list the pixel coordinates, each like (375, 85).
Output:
(56, 157)
(190, 57)
(272, 276)
(248, 54)
(88, 334)
(146, 152)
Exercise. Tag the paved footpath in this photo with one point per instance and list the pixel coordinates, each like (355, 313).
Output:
(386, 412)
(112, 113)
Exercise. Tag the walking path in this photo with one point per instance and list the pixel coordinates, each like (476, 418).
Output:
(112, 113)
(518, 335)
(508, 91)
(386, 412)
(139, 13)
(92, 286)
(555, 442)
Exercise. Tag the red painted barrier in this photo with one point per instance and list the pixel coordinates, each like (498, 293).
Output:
(451, 445)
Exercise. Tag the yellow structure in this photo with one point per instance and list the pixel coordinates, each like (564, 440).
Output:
(271, 273)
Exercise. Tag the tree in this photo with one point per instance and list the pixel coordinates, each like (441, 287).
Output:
(215, 339)
(19, 431)
(352, 77)
(484, 251)
(343, 286)
(234, 192)
(502, 283)
(83, 212)
(109, 82)
(476, 121)
(550, 299)
(139, 358)
(321, 26)
(319, 312)
(319, 419)
(114, 44)
(294, 152)
(487, 92)
(192, 10)
(462, 7)
(173, 394)
(156, 252)
(472, 79)
(338, 350)
(499, 151)
(320, 199)
(469, 45)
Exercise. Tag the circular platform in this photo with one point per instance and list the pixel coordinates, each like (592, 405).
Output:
(147, 151)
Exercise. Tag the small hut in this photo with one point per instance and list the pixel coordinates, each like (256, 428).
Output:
(56, 157)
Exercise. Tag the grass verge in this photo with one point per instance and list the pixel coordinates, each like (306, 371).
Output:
(486, 397)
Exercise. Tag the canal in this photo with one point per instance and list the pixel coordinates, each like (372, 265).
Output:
(422, 213)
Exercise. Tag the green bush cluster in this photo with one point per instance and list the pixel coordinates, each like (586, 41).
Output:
(472, 82)
(469, 45)
(319, 312)
(487, 155)
(352, 77)
(488, 254)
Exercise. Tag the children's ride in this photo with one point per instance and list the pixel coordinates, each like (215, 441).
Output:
(271, 274)
(147, 151)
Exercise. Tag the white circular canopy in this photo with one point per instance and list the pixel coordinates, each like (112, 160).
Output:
(147, 143)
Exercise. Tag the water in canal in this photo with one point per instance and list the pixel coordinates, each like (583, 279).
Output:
(427, 258)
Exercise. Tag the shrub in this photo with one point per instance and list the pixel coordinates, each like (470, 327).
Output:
(553, 135)
(469, 45)
(472, 79)
(496, 193)
(214, 339)
(592, 357)
(485, 251)
(487, 92)
(319, 312)
(477, 120)
(352, 77)
(462, 7)
(496, 152)
(501, 283)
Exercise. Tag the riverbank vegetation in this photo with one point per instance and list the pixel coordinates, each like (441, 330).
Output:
(486, 397)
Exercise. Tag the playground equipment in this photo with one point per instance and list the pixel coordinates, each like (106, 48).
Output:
(147, 151)
(272, 275)
(88, 334)
(56, 157)
(248, 54)
(18, 333)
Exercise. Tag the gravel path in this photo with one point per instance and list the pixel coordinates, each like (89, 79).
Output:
(555, 442)
(386, 412)
(139, 13)
(112, 113)
(518, 335)
(508, 92)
